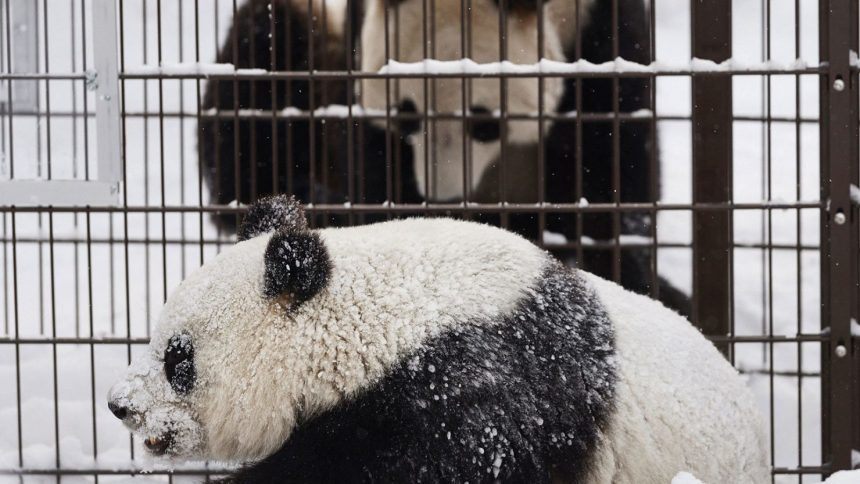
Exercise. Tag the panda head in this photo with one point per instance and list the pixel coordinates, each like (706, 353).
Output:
(196, 391)
(445, 143)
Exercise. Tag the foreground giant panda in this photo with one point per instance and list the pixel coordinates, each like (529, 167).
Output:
(430, 351)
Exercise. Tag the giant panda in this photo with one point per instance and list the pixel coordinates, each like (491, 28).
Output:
(429, 350)
(429, 163)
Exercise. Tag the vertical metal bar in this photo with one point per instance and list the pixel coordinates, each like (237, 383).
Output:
(541, 161)
(654, 159)
(578, 165)
(16, 316)
(616, 154)
(503, 112)
(798, 235)
(712, 160)
(182, 117)
(199, 154)
(54, 361)
(92, 335)
(768, 180)
(839, 124)
(86, 96)
(124, 161)
(107, 91)
(161, 155)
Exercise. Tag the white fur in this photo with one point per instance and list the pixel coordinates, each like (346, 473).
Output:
(262, 365)
(669, 372)
(445, 95)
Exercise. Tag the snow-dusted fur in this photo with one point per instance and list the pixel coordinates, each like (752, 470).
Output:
(680, 406)
(419, 323)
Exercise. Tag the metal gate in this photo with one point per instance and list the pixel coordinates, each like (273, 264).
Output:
(103, 207)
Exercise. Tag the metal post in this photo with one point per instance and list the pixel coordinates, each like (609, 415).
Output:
(712, 163)
(838, 36)
(107, 91)
(25, 56)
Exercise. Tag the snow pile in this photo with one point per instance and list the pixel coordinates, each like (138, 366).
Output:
(185, 68)
(685, 478)
(844, 477)
(841, 477)
(582, 66)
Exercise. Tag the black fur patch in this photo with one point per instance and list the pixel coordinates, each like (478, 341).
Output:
(179, 364)
(521, 400)
(278, 212)
(297, 264)
(483, 130)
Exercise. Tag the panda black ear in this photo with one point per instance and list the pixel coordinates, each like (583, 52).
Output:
(297, 265)
(278, 212)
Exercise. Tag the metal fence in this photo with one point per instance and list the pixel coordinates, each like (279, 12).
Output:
(107, 202)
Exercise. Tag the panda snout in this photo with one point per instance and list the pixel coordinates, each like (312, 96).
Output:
(119, 411)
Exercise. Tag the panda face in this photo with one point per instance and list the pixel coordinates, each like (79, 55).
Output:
(441, 146)
(187, 395)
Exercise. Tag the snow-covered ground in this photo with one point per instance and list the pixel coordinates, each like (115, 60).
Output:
(128, 284)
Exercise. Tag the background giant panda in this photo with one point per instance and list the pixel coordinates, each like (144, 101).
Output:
(430, 162)
(430, 351)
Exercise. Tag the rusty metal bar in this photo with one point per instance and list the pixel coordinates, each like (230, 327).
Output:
(838, 94)
(712, 163)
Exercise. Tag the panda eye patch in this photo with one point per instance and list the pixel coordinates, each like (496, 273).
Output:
(407, 121)
(179, 363)
(483, 130)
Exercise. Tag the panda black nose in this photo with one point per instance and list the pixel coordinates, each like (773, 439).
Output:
(118, 411)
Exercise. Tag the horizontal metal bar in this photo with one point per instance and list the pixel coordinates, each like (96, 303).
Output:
(452, 208)
(801, 470)
(800, 338)
(43, 76)
(609, 244)
(786, 373)
(203, 471)
(343, 75)
(263, 114)
(130, 471)
(40, 193)
(74, 341)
